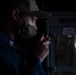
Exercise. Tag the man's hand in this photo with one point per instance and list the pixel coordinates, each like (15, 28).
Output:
(41, 48)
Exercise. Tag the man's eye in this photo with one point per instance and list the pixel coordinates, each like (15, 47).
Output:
(34, 18)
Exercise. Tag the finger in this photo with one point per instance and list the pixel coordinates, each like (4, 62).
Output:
(46, 43)
(42, 38)
(47, 47)
(47, 40)
(47, 37)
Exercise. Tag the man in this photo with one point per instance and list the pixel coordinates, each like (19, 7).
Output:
(18, 18)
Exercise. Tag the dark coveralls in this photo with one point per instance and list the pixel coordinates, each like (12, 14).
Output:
(10, 63)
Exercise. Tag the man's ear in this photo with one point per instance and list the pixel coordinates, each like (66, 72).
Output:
(15, 14)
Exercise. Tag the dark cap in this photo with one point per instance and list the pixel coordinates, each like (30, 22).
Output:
(30, 7)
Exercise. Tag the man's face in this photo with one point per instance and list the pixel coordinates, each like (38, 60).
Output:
(27, 26)
(25, 18)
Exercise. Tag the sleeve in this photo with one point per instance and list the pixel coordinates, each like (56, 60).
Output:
(34, 67)
(6, 68)
(37, 69)
(6, 65)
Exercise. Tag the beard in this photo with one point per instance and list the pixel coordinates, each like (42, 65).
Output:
(26, 33)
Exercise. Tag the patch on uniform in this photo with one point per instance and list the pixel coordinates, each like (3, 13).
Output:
(11, 43)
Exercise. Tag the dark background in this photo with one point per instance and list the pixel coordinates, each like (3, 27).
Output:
(55, 5)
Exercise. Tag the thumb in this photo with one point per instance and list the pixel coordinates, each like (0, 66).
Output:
(41, 38)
